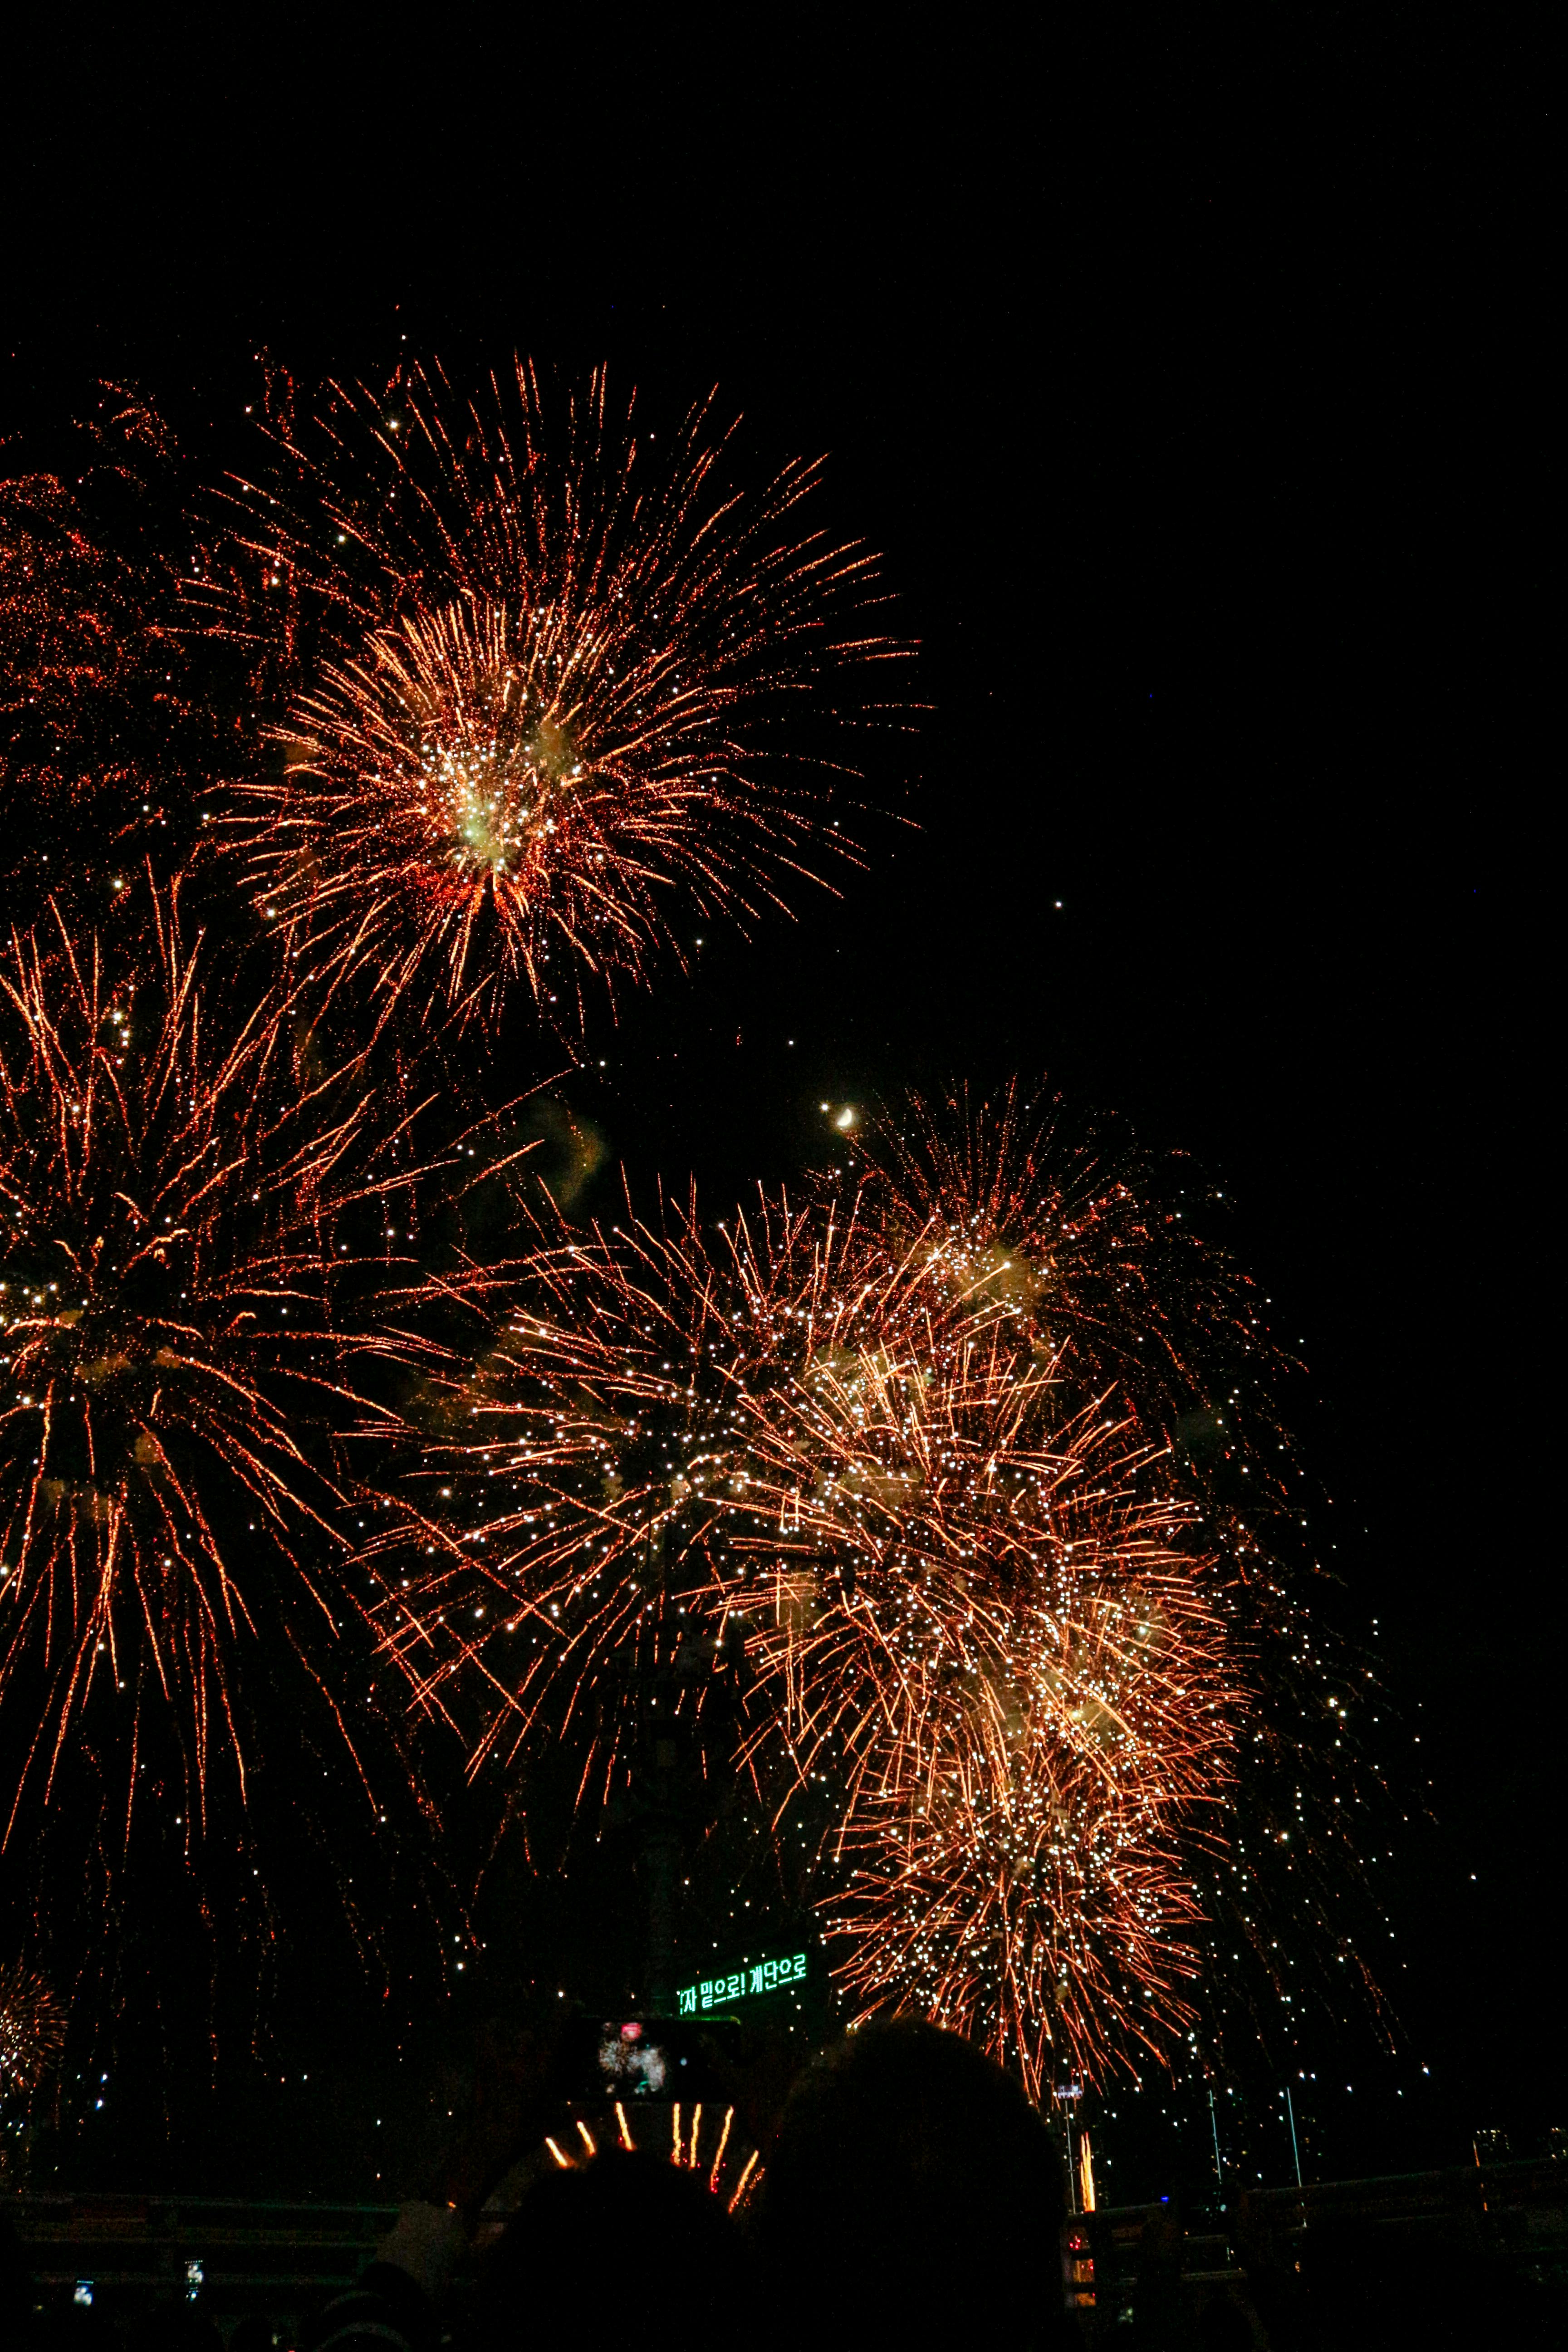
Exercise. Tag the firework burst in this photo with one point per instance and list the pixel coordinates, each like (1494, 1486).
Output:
(1093, 1248)
(987, 1623)
(1054, 1923)
(554, 668)
(1086, 1251)
(182, 1215)
(32, 2030)
(955, 1615)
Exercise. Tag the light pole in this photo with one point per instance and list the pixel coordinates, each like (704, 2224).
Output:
(1295, 2144)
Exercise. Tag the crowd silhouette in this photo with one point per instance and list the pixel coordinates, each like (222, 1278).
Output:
(912, 2196)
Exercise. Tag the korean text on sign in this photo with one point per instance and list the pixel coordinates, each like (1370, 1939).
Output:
(758, 1977)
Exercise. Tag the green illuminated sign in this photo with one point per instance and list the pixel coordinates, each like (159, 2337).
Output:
(740, 1984)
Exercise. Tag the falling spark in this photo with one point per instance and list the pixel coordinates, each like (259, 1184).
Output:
(718, 2154)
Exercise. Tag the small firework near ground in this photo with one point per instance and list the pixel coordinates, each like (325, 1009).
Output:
(714, 2151)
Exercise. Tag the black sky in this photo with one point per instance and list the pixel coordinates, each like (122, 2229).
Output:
(1185, 382)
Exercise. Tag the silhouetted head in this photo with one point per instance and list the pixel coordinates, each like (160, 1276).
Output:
(914, 2197)
(625, 2249)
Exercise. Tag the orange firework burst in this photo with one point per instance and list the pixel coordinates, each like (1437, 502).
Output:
(1090, 1252)
(989, 1623)
(1091, 1246)
(553, 660)
(983, 1618)
(32, 2030)
(176, 1373)
(977, 1617)
(1051, 1922)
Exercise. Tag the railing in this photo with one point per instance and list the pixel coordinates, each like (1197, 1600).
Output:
(234, 2256)
(272, 2258)
(1516, 2210)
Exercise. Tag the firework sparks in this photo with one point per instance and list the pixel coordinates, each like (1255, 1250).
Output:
(172, 1251)
(32, 2030)
(98, 712)
(985, 1624)
(1090, 1246)
(948, 1515)
(974, 1621)
(1051, 1922)
(66, 612)
(555, 1554)
(1087, 1252)
(555, 660)
(688, 2151)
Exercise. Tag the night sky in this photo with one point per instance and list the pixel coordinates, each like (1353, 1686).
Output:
(1178, 382)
